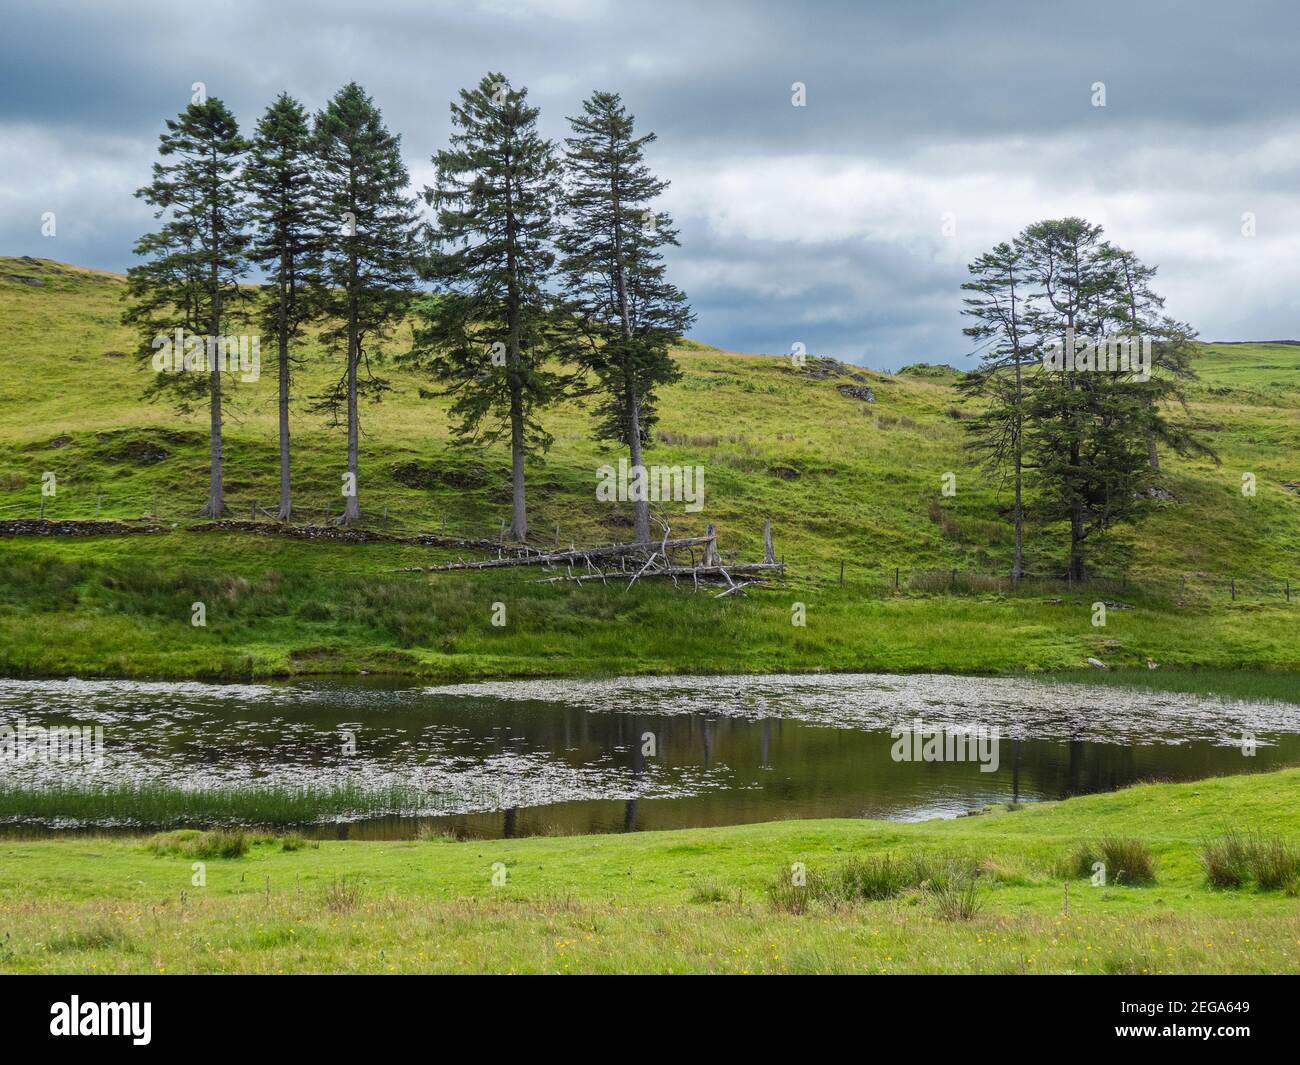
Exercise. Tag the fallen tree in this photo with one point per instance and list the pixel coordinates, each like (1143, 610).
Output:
(656, 560)
(567, 556)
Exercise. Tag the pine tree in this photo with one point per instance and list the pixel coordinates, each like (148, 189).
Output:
(1086, 431)
(286, 244)
(195, 260)
(1000, 299)
(491, 333)
(368, 253)
(1085, 435)
(628, 312)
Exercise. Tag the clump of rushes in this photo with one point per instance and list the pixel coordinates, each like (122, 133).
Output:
(884, 876)
(1232, 859)
(878, 877)
(190, 843)
(1226, 860)
(787, 896)
(1275, 863)
(1126, 860)
(958, 899)
(341, 896)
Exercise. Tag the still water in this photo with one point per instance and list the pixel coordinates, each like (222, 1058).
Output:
(628, 754)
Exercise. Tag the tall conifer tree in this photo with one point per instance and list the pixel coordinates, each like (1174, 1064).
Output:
(368, 254)
(614, 277)
(493, 334)
(190, 281)
(286, 244)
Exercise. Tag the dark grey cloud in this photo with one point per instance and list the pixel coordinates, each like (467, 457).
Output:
(818, 224)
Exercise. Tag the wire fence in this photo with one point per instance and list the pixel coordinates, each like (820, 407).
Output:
(1189, 588)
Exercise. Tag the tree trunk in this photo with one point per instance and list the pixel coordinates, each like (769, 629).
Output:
(1153, 452)
(216, 505)
(216, 495)
(514, 357)
(519, 506)
(640, 506)
(352, 510)
(1017, 428)
(1017, 563)
(518, 498)
(285, 502)
(1078, 569)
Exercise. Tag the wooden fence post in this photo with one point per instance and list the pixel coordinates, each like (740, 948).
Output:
(841, 573)
(1234, 588)
(768, 554)
(711, 548)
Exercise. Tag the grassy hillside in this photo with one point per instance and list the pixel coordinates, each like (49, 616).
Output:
(841, 479)
(685, 901)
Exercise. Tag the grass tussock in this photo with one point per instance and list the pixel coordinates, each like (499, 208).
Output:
(959, 899)
(708, 891)
(951, 881)
(99, 934)
(1234, 859)
(191, 843)
(1122, 860)
(341, 896)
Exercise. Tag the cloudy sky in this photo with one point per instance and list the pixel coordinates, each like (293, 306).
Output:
(930, 132)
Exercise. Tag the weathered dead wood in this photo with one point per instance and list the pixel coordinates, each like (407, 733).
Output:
(647, 565)
(711, 557)
(696, 572)
(558, 558)
(733, 589)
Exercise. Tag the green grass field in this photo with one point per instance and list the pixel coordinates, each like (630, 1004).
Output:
(840, 480)
(689, 901)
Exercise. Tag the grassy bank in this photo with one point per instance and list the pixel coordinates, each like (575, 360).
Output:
(842, 480)
(690, 901)
(123, 607)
